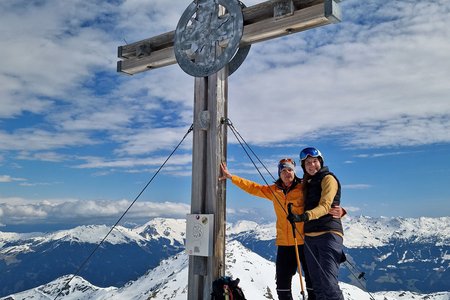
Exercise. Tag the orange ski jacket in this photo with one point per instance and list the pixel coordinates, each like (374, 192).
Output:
(280, 198)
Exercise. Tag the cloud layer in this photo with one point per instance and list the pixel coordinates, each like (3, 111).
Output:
(18, 211)
(378, 79)
(382, 71)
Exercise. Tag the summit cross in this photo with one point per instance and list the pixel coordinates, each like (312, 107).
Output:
(211, 41)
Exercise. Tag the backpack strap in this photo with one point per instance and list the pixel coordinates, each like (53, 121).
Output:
(227, 292)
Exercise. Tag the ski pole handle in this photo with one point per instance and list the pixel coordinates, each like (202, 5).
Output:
(292, 222)
(290, 208)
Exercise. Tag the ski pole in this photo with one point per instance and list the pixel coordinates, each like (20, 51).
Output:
(299, 264)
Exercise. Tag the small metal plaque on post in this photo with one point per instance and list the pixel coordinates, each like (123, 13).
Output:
(199, 234)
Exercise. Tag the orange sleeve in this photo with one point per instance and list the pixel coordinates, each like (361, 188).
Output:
(253, 188)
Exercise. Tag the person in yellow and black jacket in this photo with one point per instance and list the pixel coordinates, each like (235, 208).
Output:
(286, 189)
(323, 233)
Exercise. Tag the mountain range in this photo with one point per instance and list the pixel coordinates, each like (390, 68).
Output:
(410, 255)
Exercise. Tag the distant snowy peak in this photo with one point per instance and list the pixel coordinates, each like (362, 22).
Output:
(61, 288)
(263, 232)
(7, 237)
(12, 236)
(95, 234)
(172, 229)
(242, 226)
(371, 232)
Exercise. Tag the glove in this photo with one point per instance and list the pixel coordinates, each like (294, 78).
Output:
(293, 218)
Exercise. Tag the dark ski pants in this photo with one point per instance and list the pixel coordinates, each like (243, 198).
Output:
(323, 255)
(286, 267)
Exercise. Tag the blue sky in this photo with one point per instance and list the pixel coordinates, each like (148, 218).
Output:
(78, 141)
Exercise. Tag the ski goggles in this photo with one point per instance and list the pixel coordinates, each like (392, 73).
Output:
(287, 161)
(310, 151)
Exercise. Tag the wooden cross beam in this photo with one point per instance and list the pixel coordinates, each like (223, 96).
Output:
(260, 24)
(264, 21)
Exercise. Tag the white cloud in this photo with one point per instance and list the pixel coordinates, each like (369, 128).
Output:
(383, 154)
(148, 140)
(50, 52)
(353, 209)
(176, 161)
(42, 156)
(22, 211)
(356, 186)
(403, 131)
(37, 139)
(7, 178)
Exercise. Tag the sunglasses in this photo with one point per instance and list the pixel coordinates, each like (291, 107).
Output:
(310, 151)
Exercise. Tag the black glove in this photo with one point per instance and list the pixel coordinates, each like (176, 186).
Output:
(293, 218)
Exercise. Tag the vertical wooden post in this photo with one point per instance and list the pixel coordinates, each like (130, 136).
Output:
(208, 194)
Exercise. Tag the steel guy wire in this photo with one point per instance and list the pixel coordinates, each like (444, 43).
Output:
(229, 123)
(125, 212)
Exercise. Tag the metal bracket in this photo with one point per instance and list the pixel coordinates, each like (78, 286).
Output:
(143, 50)
(204, 119)
(333, 11)
(283, 8)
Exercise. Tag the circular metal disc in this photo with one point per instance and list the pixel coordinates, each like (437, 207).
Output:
(205, 41)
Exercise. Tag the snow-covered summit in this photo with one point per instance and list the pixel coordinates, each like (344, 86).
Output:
(94, 234)
(263, 232)
(373, 232)
(171, 229)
